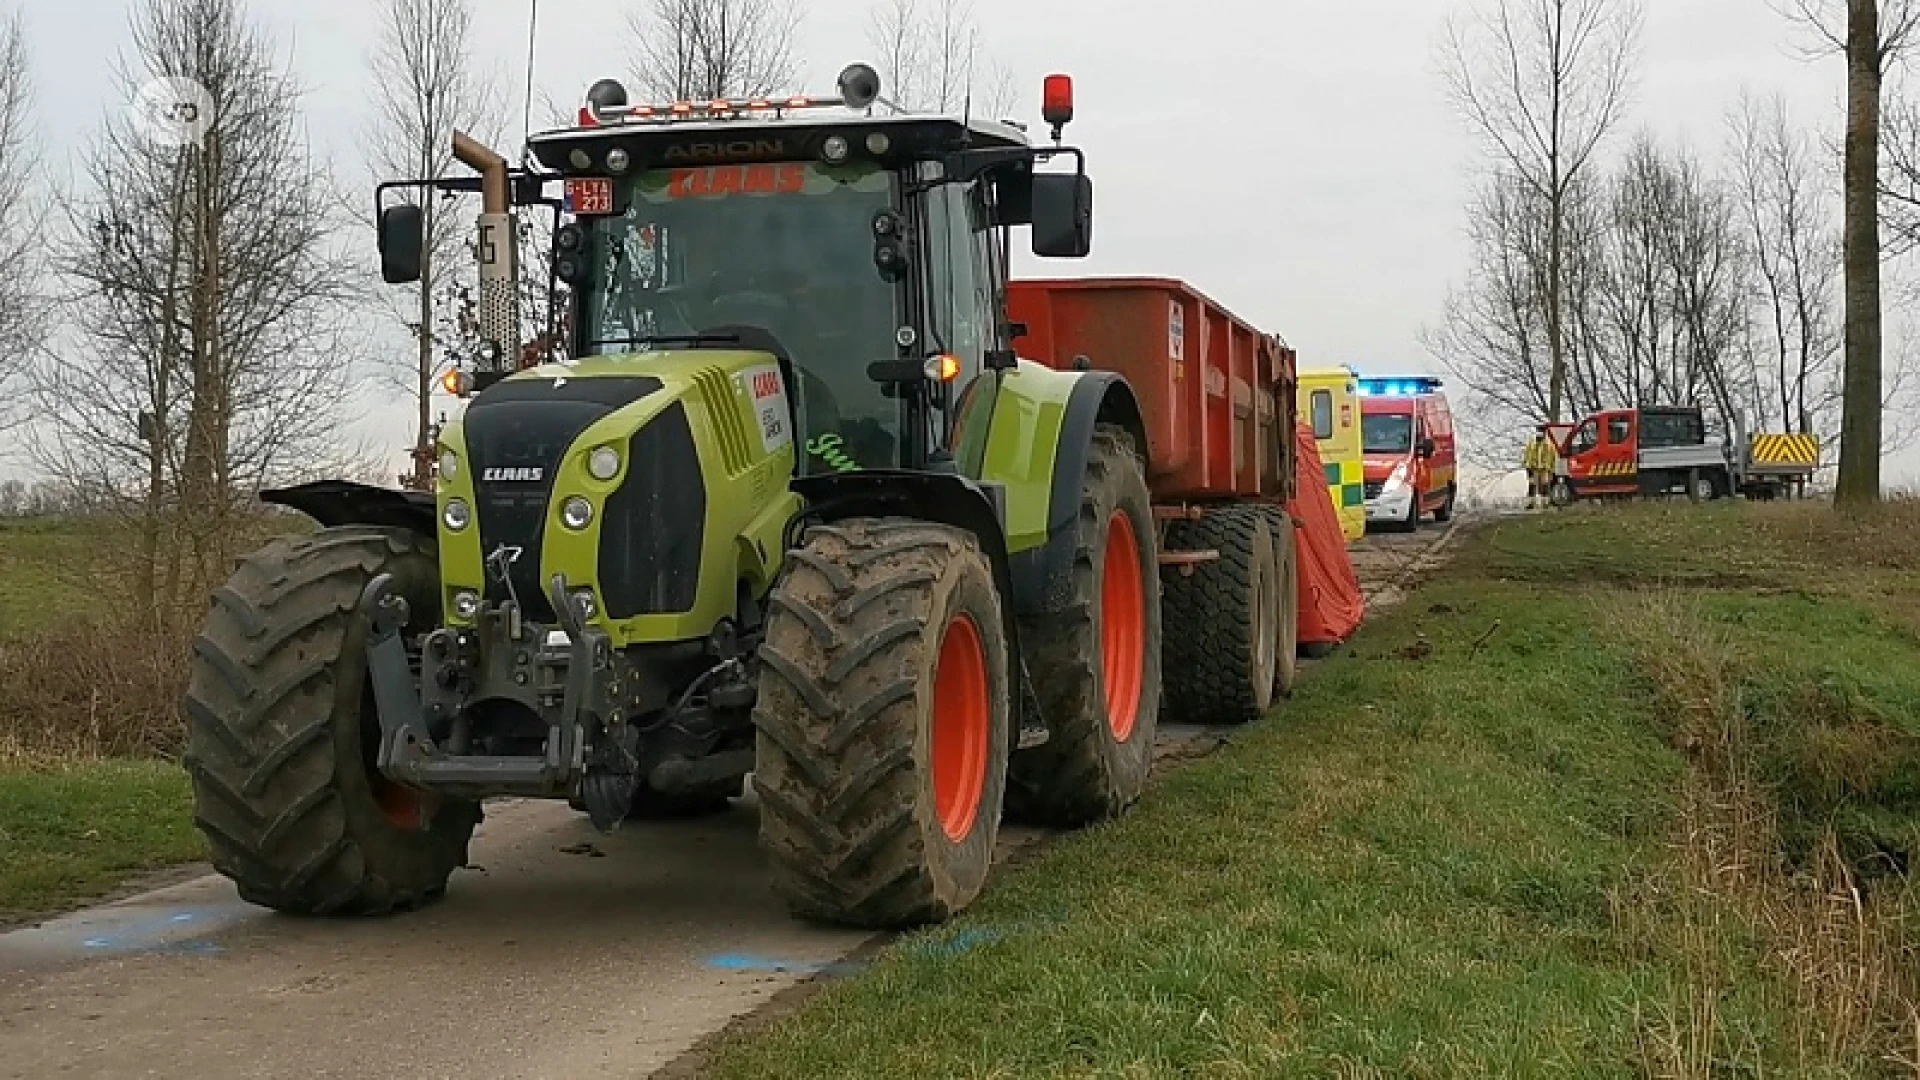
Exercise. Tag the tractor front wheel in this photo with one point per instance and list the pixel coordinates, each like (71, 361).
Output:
(282, 733)
(884, 724)
(1096, 665)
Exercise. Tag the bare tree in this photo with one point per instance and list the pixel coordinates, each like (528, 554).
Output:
(23, 305)
(699, 50)
(1870, 35)
(932, 59)
(1543, 82)
(222, 311)
(1795, 265)
(425, 88)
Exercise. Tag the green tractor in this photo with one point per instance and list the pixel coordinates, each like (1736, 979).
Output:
(792, 509)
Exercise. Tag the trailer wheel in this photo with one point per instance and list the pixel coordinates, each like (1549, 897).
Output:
(1096, 665)
(282, 734)
(1223, 618)
(1286, 548)
(884, 724)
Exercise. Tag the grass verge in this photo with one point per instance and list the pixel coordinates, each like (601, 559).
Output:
(1516, 830)
(70, 833)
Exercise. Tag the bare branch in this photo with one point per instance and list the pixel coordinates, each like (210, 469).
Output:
(23, 305)
(1543, 83)
(689, 50)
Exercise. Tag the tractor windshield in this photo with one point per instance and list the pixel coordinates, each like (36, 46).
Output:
(785, 247)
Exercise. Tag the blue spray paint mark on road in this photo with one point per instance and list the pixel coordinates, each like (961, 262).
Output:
(745, 962)
(158, 934)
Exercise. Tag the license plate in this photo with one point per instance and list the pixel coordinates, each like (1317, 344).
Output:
(589, 195)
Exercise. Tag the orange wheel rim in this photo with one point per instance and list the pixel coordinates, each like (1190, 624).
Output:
(403, 807)
(1123, 626)
(961, 728)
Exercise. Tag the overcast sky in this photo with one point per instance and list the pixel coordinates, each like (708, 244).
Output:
(1295, 160)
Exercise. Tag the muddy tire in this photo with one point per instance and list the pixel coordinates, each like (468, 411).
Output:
(884, 724)
(282, 734)
(1286, 646)
(1096, 665)
(1223, 618)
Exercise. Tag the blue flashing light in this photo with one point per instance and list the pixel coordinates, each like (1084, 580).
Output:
(1400, 386)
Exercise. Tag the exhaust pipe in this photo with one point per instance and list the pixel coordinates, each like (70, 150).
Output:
(497, 249)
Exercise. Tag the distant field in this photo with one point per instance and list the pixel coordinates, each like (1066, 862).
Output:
(38, 562)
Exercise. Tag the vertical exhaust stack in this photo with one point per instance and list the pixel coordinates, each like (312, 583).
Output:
(497, 249)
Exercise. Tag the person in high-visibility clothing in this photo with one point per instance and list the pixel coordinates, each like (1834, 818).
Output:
(1539, 465)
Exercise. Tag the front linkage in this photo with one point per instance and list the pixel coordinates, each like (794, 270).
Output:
(570, 677)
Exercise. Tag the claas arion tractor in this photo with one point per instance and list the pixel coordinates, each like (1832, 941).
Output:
(791, 508)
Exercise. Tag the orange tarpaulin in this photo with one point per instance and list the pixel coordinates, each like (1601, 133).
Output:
(1331, 605)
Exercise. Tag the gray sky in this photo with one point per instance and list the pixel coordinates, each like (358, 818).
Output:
(1294, 160)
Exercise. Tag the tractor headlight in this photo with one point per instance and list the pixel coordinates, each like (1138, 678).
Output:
(834, 149)
(576, 513)
(466, 604)
(449, 465)
(617, 160)
(457, 516)
(604, 463)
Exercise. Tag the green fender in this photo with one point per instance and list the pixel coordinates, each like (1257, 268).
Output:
(1035, 449)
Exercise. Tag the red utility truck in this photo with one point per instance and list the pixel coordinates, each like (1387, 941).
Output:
(1662, 450)
(1217, 398)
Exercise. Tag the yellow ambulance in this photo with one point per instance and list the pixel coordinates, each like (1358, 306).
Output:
(1330, 402)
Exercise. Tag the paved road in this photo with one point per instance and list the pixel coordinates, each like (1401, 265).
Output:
(565, 954)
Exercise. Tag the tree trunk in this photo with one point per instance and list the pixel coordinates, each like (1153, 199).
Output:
(1859, 481)
(1556, 332)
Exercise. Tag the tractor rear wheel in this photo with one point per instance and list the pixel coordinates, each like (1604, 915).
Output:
(282, 733)
(1223, 618)
(1096, 665)
(884, 724)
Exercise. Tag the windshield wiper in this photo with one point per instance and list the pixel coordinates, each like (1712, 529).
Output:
(684, 340)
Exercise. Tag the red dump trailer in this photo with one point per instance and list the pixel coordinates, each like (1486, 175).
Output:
(1217, 401)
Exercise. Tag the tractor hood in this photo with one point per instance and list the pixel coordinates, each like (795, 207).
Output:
(517, 435)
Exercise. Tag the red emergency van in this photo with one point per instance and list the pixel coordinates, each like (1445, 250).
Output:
(1408, 446)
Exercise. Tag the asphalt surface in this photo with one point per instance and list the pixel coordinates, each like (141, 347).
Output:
(562, 953)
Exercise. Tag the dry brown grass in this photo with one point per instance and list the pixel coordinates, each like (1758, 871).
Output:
(1883, 537)
(1839, 960)
(99, 672)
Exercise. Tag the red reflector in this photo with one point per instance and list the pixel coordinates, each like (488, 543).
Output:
(586, 117)
(589, 195)
(1056, 100)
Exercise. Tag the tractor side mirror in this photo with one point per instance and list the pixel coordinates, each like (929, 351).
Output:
(1062, 215)
(1426, 448)
(402, 238)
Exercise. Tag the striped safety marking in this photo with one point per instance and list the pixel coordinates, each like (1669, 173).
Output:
(1614, 468)
(1786, 450)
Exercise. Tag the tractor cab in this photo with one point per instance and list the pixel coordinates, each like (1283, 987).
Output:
(869, 249)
